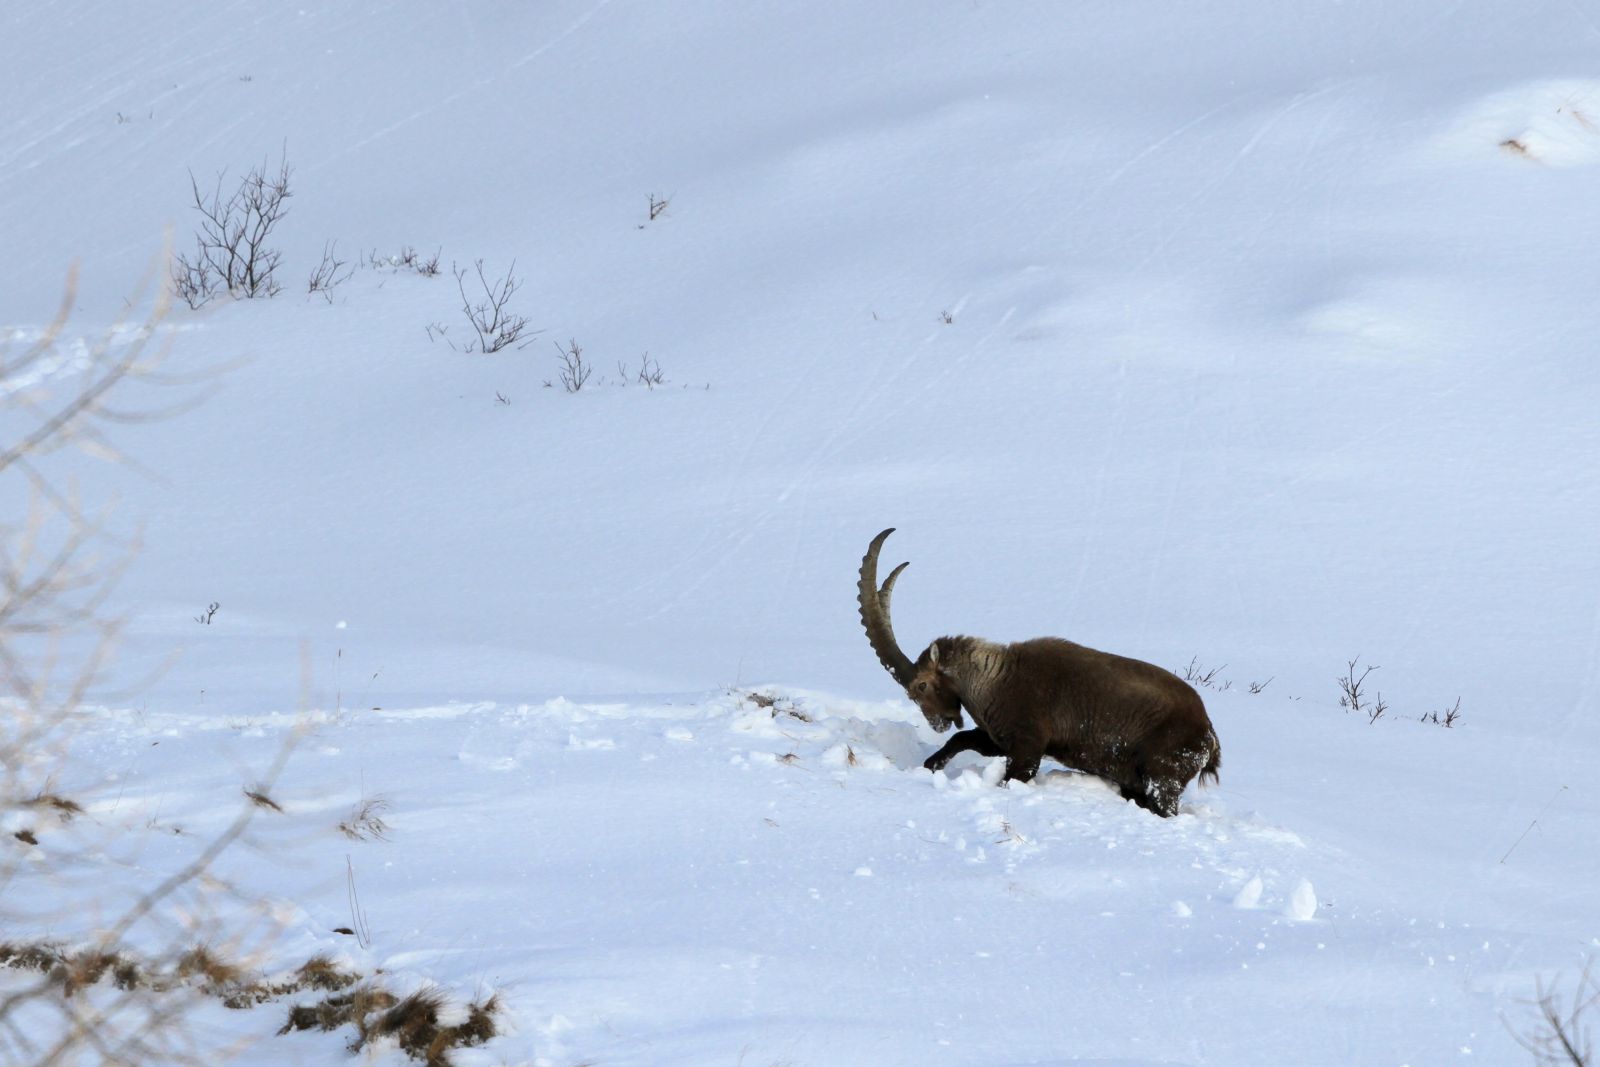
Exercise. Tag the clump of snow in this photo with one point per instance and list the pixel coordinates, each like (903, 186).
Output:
(1249, 895)
(1302, 903)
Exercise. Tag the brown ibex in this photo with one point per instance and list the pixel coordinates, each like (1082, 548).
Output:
(1140, 727)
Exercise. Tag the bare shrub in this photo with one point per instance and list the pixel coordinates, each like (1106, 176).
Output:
(491, 317)
(658, 206)
(59, 561)
(329, 274)
(575, 370)
(649, 374)
(1561, 1032)
(1446, 718)
(231, 250)
(425, 267)
(1353, 693)
(408, 258)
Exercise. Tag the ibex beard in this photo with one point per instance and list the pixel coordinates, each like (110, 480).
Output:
(1132, 723)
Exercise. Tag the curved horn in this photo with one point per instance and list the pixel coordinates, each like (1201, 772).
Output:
(874, 604)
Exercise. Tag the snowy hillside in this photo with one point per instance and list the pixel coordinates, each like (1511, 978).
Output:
(1255, 338)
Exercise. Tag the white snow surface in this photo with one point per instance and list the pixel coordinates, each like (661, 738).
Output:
(1271, 342)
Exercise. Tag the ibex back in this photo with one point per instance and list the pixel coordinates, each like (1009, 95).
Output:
(1132, 723)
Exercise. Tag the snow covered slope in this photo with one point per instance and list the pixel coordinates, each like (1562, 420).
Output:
(1257, 334)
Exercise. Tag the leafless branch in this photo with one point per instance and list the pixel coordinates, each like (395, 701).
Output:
(575, 371)
(329, 274)
(491, 317)
(1561, 1032)
(231, 250)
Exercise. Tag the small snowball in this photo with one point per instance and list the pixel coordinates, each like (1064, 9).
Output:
(1181, 910)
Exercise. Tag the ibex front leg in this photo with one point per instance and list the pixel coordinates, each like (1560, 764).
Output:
(974, 740)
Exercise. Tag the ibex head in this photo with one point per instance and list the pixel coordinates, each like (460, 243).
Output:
(925, 681)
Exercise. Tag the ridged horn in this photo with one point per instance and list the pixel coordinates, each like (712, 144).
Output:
(874, 602)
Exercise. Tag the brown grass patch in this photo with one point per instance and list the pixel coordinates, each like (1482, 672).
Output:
(38, 956)
(87, 968)
(776, 705)
(26, 836)
(340, 1009)
(259, 798)
(411, 1022)
(320, 972)
(66, 809)
(366, 822)
(202, 966)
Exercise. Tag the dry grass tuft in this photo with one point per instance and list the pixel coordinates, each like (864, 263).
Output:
(776, 705)
(340, 1009)
(87, 968)
(72, 971)
(320, 972)
(374, 1012)
(411, 1022)
(259, 798)
(40, 956)
(366, 822)
(480, 1026)
(26, 836)
(65, 808)
(203, 966)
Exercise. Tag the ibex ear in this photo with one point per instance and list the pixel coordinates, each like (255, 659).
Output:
(933, 654)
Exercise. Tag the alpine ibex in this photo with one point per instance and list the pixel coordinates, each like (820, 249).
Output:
(1130, 722)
